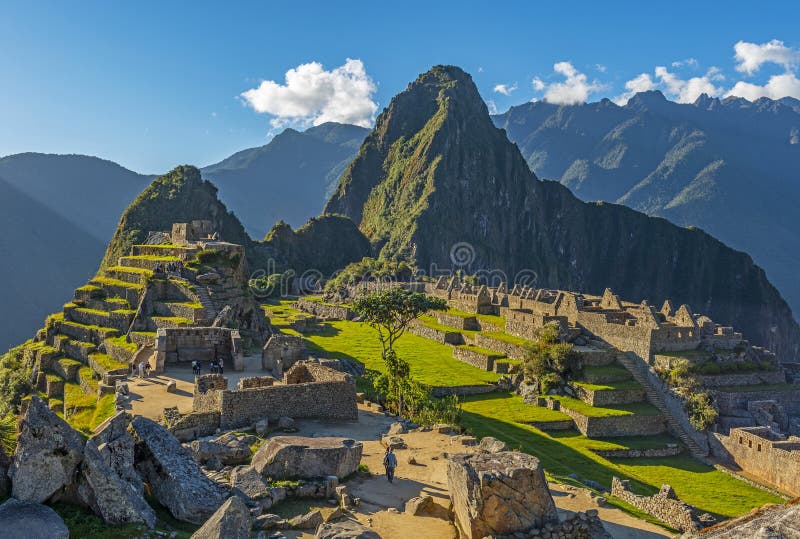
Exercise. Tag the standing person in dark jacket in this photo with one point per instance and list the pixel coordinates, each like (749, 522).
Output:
(390, 463)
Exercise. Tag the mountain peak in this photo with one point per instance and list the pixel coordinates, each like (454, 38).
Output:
(649, 100)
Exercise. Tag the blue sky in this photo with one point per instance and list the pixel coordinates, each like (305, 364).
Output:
(151, 85)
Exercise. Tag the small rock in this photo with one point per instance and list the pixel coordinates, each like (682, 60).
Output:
(601, 501)
(393, 510)
(443, 429)
(591, 513)
(172, 386)
(393, 442)
(411, 460)
(419, 505)
(334, 515)
(396, 428)
(309, 521)
(492, 445)
(468, 440)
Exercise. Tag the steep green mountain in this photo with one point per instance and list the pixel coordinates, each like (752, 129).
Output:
(44, 258)
(88, 192)
(290, 178)
(435, 172)
(727, 166)
(325, 243)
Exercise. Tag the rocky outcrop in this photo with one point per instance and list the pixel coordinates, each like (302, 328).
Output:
(499, 494)
(174, 477)
(231, 521)
(229, 449)
(251, 486)
(492, 445)
(435, 174)
(345, 529)
(47, 456)
(108, 483)
(30, 520)
(291, 457)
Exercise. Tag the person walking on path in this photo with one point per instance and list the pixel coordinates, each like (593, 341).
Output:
(390, 463)
(141, 369)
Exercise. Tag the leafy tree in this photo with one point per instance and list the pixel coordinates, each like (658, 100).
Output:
(370, 269)
(390, 312)
(702, 414)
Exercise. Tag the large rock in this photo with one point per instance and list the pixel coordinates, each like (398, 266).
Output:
(254, 490)
(346, 529)
(229, 449)
(308, 521)
(108, 483)
(499, 494)
(290, 457)
(30, 520)
(175, 478)
(231, 521)
(47, 456)
(772, 521)
(492, 445)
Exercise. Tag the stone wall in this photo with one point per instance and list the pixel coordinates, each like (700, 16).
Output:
(513, 351)
(469, 323)
(438, 335)
(183, 345)
(330, 312)
(658, 452)
(744, 379)
(664, 506)
(285, 350)
(610, 426)
(329, 394)
(608, 397)
(765, 455)
(730, 403)
(476, 359)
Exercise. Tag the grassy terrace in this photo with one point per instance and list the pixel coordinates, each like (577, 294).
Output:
(432, 363)
(636, 408)
(608, 370)
(431, 322)
(122, 342)
(116, 282)
(506, 417)
(609, 386)
(511, 339)
(488, 318)
(131, 269)
(479, 350)
(107, 362)
(163, 258)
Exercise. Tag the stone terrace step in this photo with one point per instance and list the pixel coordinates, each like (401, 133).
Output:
(146, 261)
(107, 304)
(122, 289)
(163, 250)
(129, 275)
(73, 348)
(67, 368)
(119, 320)
(159, 322)
(84, 333)
(103, 364)
(606, 374)
(182, 309)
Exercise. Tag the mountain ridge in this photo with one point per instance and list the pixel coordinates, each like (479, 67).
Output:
(435, 173)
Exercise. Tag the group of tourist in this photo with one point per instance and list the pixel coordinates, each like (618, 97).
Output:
(215, 367)
(171, 267)
(143, 368)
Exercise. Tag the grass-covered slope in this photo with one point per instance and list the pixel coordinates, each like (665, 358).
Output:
(435, 172)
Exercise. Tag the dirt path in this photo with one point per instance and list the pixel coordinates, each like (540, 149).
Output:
(383, 503)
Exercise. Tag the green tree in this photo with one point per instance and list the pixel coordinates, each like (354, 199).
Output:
(390, 312)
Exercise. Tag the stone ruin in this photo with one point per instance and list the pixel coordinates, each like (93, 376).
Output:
(281, 352)
(184, 345)
(664, 505)
(310, 390)
(763, 453)
(505, 494)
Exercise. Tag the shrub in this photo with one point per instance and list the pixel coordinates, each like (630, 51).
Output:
(14, 380)
(550, 333)
(702, 414)
(549, 381)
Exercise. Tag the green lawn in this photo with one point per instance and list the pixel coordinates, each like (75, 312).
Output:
(565, 452)
(432, 363)
(636, 408)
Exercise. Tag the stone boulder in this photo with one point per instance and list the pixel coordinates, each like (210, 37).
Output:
(346, 529)
(108, 482)
(393, 442)
(396, 428)
(492, 445)
(299, 457)
(251, 486)
(228, 448)
(770, 521)
(30, 520)
(308, 521)
(47, 456)
(175, 478)
(419, 505)
(231, 521)
(498, 494)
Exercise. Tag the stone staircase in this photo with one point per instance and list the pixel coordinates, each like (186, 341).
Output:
(655, 397)
(209, 306)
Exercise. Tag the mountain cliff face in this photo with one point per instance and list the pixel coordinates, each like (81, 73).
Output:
(290, 178)
(727, 166)
(436, 172)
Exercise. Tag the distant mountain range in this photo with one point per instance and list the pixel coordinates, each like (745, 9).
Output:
(290, 178)
(730, 167)
(435, 175)
(45, 256)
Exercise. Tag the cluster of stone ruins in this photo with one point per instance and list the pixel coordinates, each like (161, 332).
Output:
(200, 310)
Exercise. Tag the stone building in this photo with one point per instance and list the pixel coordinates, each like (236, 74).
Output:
(204, 344)
(765, 455)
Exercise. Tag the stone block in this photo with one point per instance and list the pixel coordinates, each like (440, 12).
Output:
(288, 457)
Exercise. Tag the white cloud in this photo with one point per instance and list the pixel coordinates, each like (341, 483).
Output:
(490, 104)
(575, 89)
(600, 67)
(687, 91)
(778, 86)
(751, 56)
(312, 95)
(689, 62)
(505, 89)
(640, 83)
